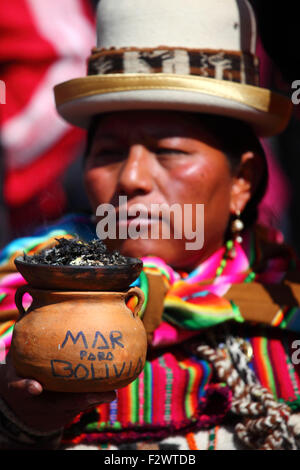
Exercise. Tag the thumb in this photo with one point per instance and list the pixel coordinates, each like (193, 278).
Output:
(30, 386)
(15, 382)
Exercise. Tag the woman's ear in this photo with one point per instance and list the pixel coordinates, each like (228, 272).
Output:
(245, 181)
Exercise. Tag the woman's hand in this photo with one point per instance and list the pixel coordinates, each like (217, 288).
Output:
(42, 410)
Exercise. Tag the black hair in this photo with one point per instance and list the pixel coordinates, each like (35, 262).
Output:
(235, 138)
(91, 134)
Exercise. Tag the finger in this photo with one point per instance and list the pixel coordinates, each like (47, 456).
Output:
(31, 386)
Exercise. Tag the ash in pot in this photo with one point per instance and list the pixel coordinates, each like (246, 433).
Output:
(77, 252)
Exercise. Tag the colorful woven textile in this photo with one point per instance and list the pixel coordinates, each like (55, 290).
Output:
(192, 303)
(176, 392)
(173, 393)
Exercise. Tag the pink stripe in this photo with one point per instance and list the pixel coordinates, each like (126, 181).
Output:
(239, 263)
(141, 398)
(7, 340)
(208, 268)
(12, 281)
(169, 334)
(159, 263)
(8, 303)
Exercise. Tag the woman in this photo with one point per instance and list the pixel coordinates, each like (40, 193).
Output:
(218, 374)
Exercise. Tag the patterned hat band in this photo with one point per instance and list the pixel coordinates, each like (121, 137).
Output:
(232, 66)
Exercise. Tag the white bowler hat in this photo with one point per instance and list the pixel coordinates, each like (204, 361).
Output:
(186, 55)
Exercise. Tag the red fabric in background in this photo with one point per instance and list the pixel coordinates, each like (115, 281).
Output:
(42, 42)
(44, 37)
(23, 184)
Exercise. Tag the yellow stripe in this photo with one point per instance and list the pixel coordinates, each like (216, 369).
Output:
(171, 301)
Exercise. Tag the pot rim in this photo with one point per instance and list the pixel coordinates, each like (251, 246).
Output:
(77, 293)
(66, 267)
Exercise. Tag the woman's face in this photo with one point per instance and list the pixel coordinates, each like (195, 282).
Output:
(161, 157)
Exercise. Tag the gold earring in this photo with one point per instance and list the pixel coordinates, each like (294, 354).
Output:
(237, 227)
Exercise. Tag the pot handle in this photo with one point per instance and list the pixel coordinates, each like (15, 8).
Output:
(19, 298)
(136, 291)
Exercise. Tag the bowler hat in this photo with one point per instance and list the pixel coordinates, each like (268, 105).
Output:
(186, 55)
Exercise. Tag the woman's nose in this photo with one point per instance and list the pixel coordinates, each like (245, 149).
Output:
(136, 174)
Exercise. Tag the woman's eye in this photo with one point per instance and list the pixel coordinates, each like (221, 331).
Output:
(166, 151)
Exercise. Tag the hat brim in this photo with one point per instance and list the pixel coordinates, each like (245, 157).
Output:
(79, 99)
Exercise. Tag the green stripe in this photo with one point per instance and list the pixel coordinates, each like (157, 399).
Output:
(148, 393)
(252, 249)
(293, 404)
(159, 268)
(190, 384)
(95, 426)
(134, 396)
(117, 425)
(288, 317)
(237, 314)
(145, 288)
(7, 332)
(250, 278)
(192, 320)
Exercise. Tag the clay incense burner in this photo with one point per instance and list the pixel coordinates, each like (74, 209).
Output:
(78, 335)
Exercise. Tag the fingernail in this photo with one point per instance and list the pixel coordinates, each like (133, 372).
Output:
(34, 388)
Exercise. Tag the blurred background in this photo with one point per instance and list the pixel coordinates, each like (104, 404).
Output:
(44, 42)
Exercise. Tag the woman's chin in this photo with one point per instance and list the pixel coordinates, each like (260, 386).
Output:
(173, 252)
(139, 248)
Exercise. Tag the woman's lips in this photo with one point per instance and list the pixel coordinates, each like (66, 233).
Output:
(137, 221)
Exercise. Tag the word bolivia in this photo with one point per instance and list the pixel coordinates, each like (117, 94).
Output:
(103, 348)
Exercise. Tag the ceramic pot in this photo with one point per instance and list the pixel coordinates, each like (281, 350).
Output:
(79, 341)
(84, 278)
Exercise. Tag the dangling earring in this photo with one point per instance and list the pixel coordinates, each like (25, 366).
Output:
(237, 227)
